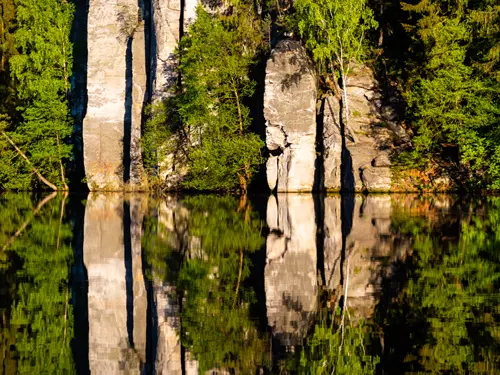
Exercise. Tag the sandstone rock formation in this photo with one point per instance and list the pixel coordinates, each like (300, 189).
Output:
(290, 271)
(290, 112)
(368, 137)
(115, 281)
(116, 85)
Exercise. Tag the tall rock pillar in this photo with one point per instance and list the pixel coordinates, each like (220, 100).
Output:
(110, 127)
(290, 112)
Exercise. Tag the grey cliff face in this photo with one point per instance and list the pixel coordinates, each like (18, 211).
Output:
(290, 112)
(356, 152)
(116, 87)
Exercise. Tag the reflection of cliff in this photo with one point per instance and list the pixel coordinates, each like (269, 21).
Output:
(365, 252)
(117, 303)
(171, 358)
(290, 273)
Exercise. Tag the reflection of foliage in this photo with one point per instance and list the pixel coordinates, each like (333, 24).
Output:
(215, 316)
(331, 350)
(451, 301)
(40, 314)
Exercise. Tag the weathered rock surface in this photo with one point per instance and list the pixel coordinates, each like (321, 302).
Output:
(290, 112)
(332, 144)
(166, 19)
(290, 271)
(113, 280)
(369, 136)
(110, 104)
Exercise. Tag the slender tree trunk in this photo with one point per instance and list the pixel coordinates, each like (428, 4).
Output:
(239, 279)
(63, 178)
(346, 103)
(240, 118)
(23, 155)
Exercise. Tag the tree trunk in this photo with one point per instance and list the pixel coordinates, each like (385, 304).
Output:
(23, 155)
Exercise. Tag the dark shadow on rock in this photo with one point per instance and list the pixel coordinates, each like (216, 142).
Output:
(79, 289)
(319, 169)
(347, 184)
(127, 121)
(129, 282)
(79, 96)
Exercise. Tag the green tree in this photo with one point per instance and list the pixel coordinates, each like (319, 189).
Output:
(208, 111)
(335, 32)
(42, 70)
(453, 94)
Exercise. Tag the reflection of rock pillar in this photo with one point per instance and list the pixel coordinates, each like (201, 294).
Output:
(140, 301)
(172, 221)
(168, 352)
(110, 349)
(332, 241)
(290, 273)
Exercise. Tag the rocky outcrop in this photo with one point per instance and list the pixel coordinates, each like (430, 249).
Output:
(290, 271)
(115, 85)
(363, 145)
(166, 16)
(290, 112)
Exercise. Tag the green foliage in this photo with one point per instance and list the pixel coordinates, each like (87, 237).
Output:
(449, 306)
(327, 351)
(211, 278)
(453, 95)
(208, 113)
(40, 323)
(41, 70)
(335, 32)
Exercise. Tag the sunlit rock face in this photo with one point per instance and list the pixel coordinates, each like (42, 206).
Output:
(112, 81)
(368, 136)
(290, 112)
(166, 18)
(332, 144)
(117, 303)
(290, 271)
(358, 266)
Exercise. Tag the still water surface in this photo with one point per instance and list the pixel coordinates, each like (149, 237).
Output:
(287, 284)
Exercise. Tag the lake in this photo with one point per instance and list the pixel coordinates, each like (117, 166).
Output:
(282, 284)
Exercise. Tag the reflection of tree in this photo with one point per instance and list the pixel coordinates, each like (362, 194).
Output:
(448, 311)
(40, 314)
(337, 345)
(216, 325)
